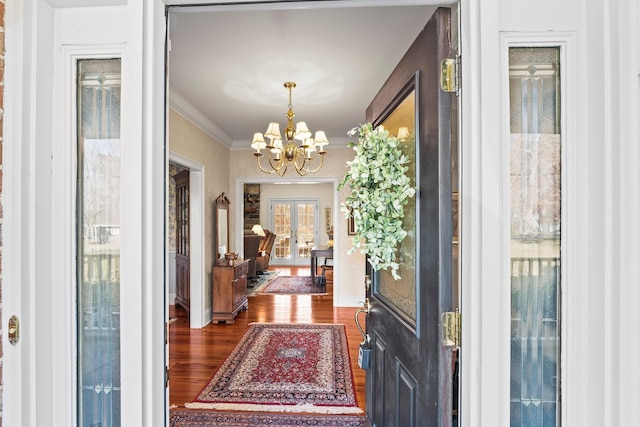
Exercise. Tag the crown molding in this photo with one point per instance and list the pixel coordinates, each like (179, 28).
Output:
(183, 107)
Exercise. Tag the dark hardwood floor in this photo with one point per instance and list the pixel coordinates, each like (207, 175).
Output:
(196, 354)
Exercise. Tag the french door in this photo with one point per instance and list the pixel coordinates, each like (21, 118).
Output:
(295, 223)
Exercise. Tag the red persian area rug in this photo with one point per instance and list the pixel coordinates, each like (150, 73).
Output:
(200, 418)
(293, 285)
(285, 368)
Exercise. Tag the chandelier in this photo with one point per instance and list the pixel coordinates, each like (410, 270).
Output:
(281, 154)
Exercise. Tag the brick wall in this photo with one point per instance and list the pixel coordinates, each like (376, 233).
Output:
(2, 2)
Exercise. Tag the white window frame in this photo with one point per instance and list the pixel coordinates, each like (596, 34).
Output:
(64, 302)
(570, 295)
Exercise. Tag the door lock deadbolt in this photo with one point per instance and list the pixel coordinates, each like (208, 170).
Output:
(364, 351)
(14, 330)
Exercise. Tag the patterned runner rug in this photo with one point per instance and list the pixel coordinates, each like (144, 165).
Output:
(197, 418)
(285, 368)
(256, 284)
(293, 285)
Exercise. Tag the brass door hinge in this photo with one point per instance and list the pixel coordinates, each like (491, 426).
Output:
(451, 329)
(450, 74)
(166, 377)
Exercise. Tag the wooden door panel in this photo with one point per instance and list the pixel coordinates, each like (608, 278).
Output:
(376, 380)
(409, 381)
(406, 396)
(396, 389)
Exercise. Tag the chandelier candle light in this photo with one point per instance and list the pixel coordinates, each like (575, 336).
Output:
(282, 155)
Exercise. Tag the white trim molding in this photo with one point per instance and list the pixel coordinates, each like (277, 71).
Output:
(199, 315)
(622, 195)
(570, 285)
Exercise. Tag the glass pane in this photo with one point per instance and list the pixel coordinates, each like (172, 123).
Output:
(306, 228)
(401, 294)
(282, 227)
(535, 166)
(98, 245)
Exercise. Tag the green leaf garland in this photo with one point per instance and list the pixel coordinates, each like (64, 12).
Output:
(380, 189)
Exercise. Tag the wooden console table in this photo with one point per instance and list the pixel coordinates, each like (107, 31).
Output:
(229, 290)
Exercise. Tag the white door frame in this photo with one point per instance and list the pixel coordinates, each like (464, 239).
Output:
(28, 245)
(198, 315)
(39, 373)
(605, 129)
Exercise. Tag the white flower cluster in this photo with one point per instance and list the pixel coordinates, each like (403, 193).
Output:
(380, 188)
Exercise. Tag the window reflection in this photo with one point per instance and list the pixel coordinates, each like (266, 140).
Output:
(535, 172)
(292, 309)
(98, 242)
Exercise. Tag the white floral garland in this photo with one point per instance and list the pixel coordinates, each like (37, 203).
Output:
(380, 188)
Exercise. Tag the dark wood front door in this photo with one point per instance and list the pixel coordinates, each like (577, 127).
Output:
(183, 284)
(409, 379)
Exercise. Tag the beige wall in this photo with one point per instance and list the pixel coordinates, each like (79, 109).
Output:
(189, 141)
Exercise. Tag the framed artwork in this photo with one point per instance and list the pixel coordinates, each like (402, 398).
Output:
(328, 225)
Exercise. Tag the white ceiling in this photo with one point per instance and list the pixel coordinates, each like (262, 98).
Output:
(227, 66)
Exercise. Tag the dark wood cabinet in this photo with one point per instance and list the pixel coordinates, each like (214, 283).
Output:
(229, 290)
(183, 264)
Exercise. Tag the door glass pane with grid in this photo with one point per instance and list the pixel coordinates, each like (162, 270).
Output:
(281, 217)
(535, 172)
(306, 229)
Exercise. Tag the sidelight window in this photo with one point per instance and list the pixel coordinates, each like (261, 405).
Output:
(98, 241)
(535, 192)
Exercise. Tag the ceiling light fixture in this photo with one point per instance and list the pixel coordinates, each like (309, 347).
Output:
(280, 155)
